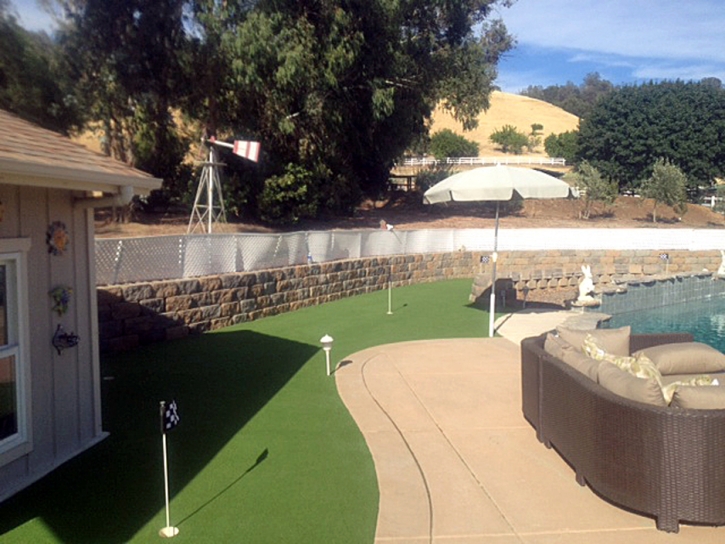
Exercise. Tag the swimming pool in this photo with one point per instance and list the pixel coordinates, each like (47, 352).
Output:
(704, 319)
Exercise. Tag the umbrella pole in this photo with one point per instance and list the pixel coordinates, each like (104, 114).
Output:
(494, 258)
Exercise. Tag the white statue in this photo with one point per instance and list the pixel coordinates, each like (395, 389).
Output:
(721, 270)
(586, 289)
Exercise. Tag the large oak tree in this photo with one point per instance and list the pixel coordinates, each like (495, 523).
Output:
(335, 90)
(632, 127)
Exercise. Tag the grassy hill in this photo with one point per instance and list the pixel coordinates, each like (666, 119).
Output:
(506, 109)
(509, 109)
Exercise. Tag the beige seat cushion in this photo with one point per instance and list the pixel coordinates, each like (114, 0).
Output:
(685, 358)
(626, 385)
(567, 353)
(699, 397)
(615, 341)
(556, 345)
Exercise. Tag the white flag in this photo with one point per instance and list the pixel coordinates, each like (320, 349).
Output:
(248, 150)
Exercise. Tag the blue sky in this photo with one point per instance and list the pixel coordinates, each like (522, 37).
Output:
(626, 41)
(31, 16)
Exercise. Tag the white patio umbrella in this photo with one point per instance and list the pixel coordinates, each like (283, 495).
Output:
(496, 184)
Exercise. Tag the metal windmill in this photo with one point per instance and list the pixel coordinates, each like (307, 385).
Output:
(208, 207)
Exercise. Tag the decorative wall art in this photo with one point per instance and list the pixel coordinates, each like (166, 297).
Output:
(57, 238)
(64, 340)
(61, 296)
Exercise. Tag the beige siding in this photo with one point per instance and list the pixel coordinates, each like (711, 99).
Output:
(64, 388)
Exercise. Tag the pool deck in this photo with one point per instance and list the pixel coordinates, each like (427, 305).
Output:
(456, 461)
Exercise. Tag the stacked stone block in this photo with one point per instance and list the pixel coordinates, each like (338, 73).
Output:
(131, 315)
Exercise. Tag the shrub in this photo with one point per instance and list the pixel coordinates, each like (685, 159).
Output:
(667, 185)
(425, 179)
(565, 145)
(510, 139)
(290, 197)
(594, 188)
(446, 143)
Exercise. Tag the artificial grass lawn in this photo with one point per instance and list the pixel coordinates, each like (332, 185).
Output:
(265, 452)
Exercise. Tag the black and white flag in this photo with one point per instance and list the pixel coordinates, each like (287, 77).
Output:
(169, 416)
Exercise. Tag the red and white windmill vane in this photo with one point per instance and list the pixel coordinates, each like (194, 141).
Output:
(206, 212)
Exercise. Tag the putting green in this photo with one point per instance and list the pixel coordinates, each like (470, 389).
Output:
(265, 450)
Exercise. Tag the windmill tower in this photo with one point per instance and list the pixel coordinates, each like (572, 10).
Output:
(208, 207)
(205, 213)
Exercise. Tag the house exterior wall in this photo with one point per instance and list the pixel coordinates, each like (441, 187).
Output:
(64, 389)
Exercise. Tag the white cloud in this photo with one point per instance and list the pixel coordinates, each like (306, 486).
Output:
(686, 73)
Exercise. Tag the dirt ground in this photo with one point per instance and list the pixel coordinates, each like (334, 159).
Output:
(406, 211)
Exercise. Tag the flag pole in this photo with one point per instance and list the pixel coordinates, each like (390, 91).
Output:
(168, 531)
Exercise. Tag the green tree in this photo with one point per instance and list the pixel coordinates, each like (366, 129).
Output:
(534, 138)
(632, 127)
(343, 88)
(32, 85)
(446, 143)
(285, 199)
(667, 185)
(564, 145)
(339, 89)
(576, 99)
(510, 139)
(593, 188)
(129, 60)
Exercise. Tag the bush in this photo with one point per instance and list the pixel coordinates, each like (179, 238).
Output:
(446, 143)
(565, 145)
(594, 188)
(510, 139)
(667, 185)
(288, 198)
(425, 179)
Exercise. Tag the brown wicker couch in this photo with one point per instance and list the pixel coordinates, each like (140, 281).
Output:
(660, 461)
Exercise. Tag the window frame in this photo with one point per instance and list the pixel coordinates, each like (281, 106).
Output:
(13, 254)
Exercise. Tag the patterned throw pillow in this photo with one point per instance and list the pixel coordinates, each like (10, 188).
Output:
(614, 341)
(669, 390)
(592, 349)
(642, 366)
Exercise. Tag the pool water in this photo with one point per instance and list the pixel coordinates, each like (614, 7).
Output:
(704, 319)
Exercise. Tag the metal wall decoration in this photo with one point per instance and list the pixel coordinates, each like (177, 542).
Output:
(63, 340)
(57, 238)
(61, 296)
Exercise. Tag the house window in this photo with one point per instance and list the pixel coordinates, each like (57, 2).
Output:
(9, 406)
(14, 371)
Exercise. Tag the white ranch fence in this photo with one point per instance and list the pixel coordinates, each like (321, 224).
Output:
(173, 257)
(482, 161)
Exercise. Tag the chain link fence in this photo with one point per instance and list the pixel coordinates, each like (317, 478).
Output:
(173, 257)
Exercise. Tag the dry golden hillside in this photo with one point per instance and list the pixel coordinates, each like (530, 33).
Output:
(506, 109)
(509, 109)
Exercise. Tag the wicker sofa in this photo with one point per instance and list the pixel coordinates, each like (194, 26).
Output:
(665, 462)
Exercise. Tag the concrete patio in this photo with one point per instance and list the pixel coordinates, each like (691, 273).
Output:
(456, 461)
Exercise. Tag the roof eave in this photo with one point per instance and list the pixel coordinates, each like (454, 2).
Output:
(14, 172)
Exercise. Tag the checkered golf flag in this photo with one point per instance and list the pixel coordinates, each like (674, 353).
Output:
(664, 256)
(169, 416)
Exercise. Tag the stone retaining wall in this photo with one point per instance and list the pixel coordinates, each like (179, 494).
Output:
(130, 315)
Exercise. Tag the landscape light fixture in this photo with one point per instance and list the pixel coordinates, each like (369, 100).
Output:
(326, 342)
